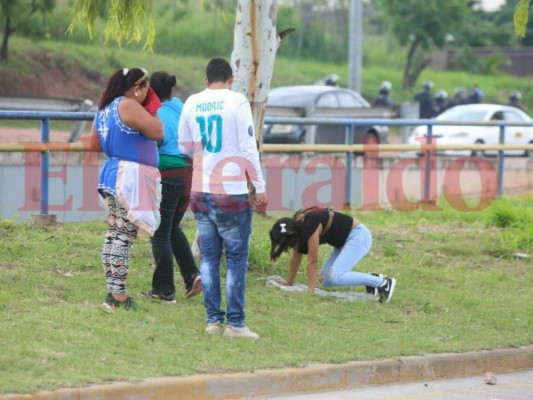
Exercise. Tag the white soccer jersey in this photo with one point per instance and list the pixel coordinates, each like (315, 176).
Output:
(216, 129)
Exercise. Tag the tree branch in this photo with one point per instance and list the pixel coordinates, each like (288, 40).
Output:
(285, 32)
(410, 55)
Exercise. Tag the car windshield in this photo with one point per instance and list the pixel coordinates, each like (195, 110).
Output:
(454, 114)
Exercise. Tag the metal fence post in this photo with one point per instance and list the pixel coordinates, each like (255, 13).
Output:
(45, 165)
(349, 162)
(427, 169)
(501, 159)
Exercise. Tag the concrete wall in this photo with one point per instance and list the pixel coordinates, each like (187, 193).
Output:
(293, 181)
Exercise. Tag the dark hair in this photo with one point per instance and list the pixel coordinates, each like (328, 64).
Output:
(162, 83)
(218, 70)
(121, 81)
(285, 234)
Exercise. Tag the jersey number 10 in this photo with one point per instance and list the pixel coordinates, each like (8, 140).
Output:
(212, 136)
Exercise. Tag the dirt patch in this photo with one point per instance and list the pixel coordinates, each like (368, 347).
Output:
(51, 75)
(18, 135)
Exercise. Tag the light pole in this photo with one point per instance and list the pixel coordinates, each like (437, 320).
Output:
(355, 55)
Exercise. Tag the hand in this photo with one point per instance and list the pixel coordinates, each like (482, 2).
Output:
(152, 102)
(282, 281)
(260, 202)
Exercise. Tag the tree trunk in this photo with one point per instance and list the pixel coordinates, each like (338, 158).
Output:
(407, 84)
(418, 70)
(255, 45)
(7, 32)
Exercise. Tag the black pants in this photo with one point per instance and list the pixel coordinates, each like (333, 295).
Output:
(169, 241)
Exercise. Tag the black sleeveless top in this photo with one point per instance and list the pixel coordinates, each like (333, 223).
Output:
(335, 236)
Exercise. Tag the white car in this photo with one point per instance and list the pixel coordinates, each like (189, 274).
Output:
(457, 134)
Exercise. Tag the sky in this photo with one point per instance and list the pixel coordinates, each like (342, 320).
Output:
(491, 5)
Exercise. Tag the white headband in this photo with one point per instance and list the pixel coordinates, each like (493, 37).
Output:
(126, 70)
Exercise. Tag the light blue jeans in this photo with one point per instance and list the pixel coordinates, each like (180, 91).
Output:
(223, 220)
(338, 268)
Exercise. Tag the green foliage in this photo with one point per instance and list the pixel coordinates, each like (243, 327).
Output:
(521, 16)
(191, 34)
(506, 213)
(23, 16)
(428, 21)
(494, 62)
(465, 60)
(124, 23)
(321, 37)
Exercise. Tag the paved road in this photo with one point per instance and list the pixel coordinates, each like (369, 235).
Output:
(511, 386)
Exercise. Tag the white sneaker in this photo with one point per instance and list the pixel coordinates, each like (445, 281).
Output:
(214, 328)
(237, 333)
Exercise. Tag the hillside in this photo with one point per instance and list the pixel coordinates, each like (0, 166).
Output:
(67, 70)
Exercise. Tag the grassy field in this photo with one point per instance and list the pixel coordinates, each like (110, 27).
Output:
(460, 287)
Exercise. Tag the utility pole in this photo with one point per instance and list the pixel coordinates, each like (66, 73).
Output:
(355, 53)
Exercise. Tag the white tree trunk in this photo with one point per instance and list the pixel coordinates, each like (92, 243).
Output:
(254, 51)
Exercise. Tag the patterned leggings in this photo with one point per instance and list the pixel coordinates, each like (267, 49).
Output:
(119, 238)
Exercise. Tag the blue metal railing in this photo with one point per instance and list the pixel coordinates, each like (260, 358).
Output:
(45, 118)
(351, 124)
(430, 123)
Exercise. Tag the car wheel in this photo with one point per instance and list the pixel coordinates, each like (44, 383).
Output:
(478, 153)
(528, 153)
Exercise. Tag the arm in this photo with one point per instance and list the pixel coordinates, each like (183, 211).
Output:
(312, 259)
(294, 265)
(95, 140)
(296, 258)
(248, 146)
(135, 116)
(185, 139)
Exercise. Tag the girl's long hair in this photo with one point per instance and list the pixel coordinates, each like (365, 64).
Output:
(284, 235)
(286, 232)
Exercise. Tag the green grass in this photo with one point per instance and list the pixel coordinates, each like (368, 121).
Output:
(459, 289)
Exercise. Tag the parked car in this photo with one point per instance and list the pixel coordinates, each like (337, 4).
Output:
(320, 102)
(457, 134)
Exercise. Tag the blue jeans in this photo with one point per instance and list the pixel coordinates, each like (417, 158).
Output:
(338, 268)
(223, 220)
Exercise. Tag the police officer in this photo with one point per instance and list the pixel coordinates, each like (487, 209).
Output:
(383, 98)
(441, 102)
(425, 99)
(514, 100)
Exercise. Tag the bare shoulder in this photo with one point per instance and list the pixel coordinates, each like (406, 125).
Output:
(128, 104)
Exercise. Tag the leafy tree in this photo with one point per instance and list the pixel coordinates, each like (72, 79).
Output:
(255, 40)
(422, 25)
(16, 15)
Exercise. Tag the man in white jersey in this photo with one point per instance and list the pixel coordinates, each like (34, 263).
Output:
(216, 129)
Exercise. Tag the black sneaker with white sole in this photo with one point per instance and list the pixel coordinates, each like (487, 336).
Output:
(373, 290)
(163, 298)
(385, 291)
(111, 304)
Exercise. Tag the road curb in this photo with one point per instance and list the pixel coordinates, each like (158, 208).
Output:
(314, 378)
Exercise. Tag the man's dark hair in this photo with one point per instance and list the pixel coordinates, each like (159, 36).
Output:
(218, 70)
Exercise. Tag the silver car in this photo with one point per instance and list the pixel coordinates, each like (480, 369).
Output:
(320, 102)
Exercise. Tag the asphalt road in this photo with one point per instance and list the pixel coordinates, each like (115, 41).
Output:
(510, 386)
